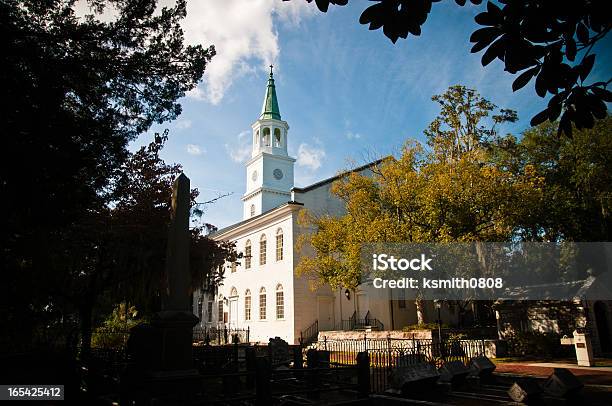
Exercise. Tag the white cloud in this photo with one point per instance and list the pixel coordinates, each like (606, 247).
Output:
(243, 34)
(194, 149)
(352, 136)
(238, 154)
(241, 150)
(242, 31)
(243, 134)
(309, 156)
(182, 124)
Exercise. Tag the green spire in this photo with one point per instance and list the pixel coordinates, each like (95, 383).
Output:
(270, 105)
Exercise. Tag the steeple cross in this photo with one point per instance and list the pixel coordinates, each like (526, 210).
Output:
(271, 66)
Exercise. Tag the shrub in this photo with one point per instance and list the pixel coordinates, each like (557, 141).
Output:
(115, 330)
(533, 343)
(424, 326)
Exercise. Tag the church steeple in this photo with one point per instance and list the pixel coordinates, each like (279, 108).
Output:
(270, 169)
(270, 108)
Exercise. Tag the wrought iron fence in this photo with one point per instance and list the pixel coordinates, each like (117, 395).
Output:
(355, 323)
(311, 334)
(387, 354)
(220, 335)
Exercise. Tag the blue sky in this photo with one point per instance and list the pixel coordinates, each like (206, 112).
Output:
(347, 93)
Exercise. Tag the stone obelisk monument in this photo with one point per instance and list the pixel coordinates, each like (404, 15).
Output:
(162, 349)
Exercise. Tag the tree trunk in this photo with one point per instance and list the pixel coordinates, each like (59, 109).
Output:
(419, 311)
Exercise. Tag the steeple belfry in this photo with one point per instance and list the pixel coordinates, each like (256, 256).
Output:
(270, 169)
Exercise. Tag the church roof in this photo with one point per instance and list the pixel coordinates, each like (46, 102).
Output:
(339, 175)
(300, 190)
(591, 288)
(270, 108)
(238, 224)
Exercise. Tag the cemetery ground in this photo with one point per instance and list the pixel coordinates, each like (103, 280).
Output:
(344, 372)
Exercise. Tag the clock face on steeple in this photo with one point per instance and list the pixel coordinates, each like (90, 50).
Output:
(278, 174)
(254, 176)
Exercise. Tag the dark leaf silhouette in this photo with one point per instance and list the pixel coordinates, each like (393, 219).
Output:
(487, 35)
(565, 124)
(524, 78)
(586, 66)
(495, 51)
(570, 48)
(604, 94)
(582, 33)
(539, 118)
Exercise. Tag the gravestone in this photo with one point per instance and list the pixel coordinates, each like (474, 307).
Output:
(410, 359)
(482, 367)
(416, 378)
(162, 349)
(524, 391)
(324, 358)
(279, 352)
(454, 372)
(562, 383)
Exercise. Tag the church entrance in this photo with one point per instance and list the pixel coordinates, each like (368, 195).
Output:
(233, 312)
(363, 305)
(603, 329)
(326, 313)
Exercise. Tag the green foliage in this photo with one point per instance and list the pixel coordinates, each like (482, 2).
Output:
(571, 178)
(423, 326)
(470, 185)
(450, 192)
(535, 344)
(114, 331)
(459, 128)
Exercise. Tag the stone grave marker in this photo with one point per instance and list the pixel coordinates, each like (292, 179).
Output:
(413, 378)
(454, 372)
(482, 367)
(524, 391)
(562, 383)
(410, 359)
(279, 352)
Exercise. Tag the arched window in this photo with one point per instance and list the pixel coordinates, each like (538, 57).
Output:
(277, 137)
(247, 255)
(266, 137)
(247, 305)
(233, 292)
(280, 302)
(262, 304)
(279, 244)
(262, 250)
(233, 266)
(256, 138)
(252, 210)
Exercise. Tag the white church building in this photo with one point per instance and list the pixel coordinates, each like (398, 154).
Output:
(263, 292)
